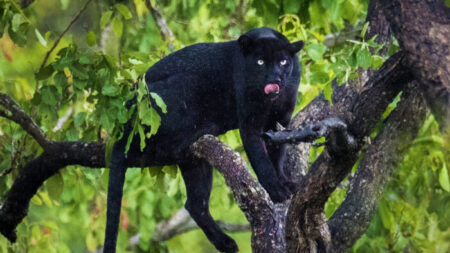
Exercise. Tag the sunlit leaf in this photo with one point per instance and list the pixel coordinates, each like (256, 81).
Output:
(443, 178)
(40, 38)
(364, 58)
(364, 30)
(15, 22)
(91, 242)
(117, 26)
(328, 92)
(64, 4)
(110, 90)
(46, 199)
(142, 136)
(106, 17)
(91, 38)
(159, 102)
(319, 77)
(36, 232)
(377, 61)
(123, 9)
(36, 200)
(316, 51)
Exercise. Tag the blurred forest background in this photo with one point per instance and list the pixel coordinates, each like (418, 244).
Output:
(79, 91)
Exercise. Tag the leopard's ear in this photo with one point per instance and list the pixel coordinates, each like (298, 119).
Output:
(296, 46)
(246, 43)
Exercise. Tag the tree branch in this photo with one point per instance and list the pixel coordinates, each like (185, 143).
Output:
(306, 211)
(249, 194)
(265, 218)
(62, 34)
(353, 217)
(182, 222)
(15, 113)
(25, 3)
(423, 31)
(166, 33)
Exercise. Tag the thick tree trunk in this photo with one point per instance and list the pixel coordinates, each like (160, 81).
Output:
(423, 31)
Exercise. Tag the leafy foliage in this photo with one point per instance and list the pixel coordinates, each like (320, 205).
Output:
(81, 92)
(414, 212)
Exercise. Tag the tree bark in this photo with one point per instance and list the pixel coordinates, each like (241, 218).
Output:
(353, 217)
(423, 32)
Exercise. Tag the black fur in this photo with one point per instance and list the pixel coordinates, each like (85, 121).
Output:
(210, 88)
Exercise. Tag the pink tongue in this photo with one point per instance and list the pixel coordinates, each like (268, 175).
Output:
(271, 88)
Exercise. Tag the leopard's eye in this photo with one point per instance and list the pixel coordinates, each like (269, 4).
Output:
(260, 62)
(283, 62)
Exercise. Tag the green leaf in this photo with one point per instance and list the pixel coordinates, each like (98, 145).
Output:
(110, 90)
(36, 200)
(19, 37)
(106, 17)
(159, 102)
(377, 61)
(80, 84)
(122, 115)
(319, 77)
(155, 120)
(140, 68)
(387, 218)
(364, 58)
(108, 150)
(79, 119)
(16, 22)
(40, 38)
(84, 60)
(64, 4)
(79, 71)
(171, 170)
(72, 134)
(130, 139)
(46, 199)
(91, 38)
(151, 118)
(364, 30)
(45, 73)
(443, 178)
(352, 62)
(123, 10)
(48, 95)
(106, 122)
(291, 6)
(316, 51)
(55, 185)
(328, 92)
(36, 232)
(117, 26)
(91, 242)
(142, 137)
